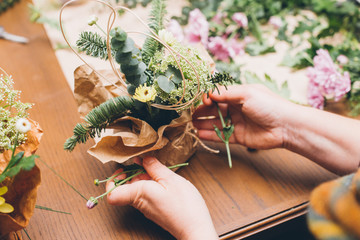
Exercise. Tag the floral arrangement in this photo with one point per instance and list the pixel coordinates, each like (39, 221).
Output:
(19, 176)
(147, 108)
(228, 29)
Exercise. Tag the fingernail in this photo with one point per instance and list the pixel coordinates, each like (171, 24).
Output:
(149, 160)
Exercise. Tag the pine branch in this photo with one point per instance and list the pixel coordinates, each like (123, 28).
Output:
(98, 119)
(5, 4)
(93, 45)
(156, 23)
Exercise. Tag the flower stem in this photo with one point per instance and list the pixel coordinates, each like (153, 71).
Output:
(131, 177)
(63, 179)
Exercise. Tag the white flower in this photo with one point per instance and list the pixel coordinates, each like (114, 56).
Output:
(23, 125)
(167, 37)
(92, 20)
(276, 21)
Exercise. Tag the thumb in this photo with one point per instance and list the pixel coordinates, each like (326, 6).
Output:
(156, 170)
(124, 194)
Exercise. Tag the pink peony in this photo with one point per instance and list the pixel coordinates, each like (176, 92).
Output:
(198, 28)
(175, 28)
(315, 98)
(218, 18)
(218, 47)
(240, 19)
(326, 78)
(342, 59)
(276, 22)
(235, 48)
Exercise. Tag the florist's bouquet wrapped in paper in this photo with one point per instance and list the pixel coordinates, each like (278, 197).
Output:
(143, 106)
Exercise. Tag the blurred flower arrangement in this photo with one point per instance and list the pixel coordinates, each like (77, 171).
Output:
(19, 176)
(237, 27)
(147, 108)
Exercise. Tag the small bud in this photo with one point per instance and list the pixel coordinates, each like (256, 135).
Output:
(92, 202)
(92, 21)
(96, 182)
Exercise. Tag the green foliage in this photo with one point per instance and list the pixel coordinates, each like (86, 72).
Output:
(92, 44)
(156, 23)
(129, 58)
(36, 16)
(6, 4)
(99, 118)
(270, 83)
(258, 48)
(17, 163)
(133, 3)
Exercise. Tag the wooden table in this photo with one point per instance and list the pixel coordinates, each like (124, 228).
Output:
(263, 189)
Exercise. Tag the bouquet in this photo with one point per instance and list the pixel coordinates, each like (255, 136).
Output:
(19, 176)
(147, 108)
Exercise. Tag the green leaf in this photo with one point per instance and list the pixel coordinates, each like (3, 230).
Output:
(174, 74)
(257, 48)
(270, 83)
(218, 133)
(228, 131)
(165, 83)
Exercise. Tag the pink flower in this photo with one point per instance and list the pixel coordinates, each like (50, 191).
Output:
(198, 28)
(240, 19)
(175, 28)
(222, 50)
(219, 48)
(276, 22)
(342, 59)
(326, 78)
(218, 18)
(235, 48)
(315, 98)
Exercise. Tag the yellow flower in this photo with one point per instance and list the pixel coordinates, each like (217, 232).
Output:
(4, 207)
(145, 94)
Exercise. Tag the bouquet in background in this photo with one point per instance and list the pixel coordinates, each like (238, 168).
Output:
(144, 106)
(19, 176)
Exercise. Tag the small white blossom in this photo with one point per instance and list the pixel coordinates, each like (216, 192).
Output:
(93, 19)
(23, 125)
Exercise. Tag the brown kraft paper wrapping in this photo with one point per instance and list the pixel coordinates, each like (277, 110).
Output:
(129, 137)
(22, 189)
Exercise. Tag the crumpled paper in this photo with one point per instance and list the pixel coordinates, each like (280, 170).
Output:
(22, 189)
(129, 137)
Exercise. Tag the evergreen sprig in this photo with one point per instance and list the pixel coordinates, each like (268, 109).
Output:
(5, 4)
(156, 22)
(93, 45)
(99, 118)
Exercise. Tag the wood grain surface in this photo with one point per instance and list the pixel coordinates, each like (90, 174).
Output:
(264, 188)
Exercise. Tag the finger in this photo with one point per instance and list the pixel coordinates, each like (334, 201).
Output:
(206, 100)
(211, 135)
(207, 124)
(233, 94)
(124, 194)
(209, 111)
(144, 176)
(156, 170)
(119, 175)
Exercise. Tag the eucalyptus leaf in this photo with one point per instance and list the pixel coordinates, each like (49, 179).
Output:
(165, 83)
(174, 74)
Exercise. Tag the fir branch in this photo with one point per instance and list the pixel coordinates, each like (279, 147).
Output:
(93, 45)
(98, 119)
(6, 4)
(156, 23)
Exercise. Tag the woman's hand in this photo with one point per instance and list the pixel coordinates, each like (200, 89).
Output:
(167, 199)
(258, 115)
